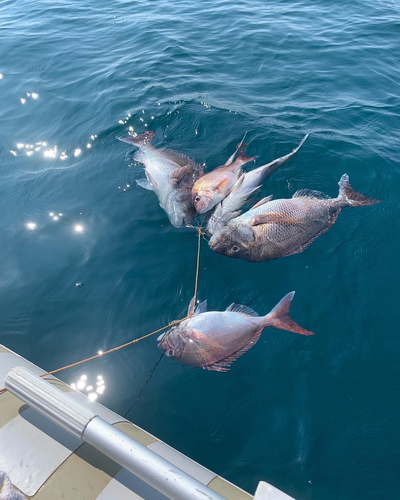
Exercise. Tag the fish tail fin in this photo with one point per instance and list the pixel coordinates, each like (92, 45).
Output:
(300, 143)
(347, 193)
(258, 175)
(140, 140)
(279, 317)
(242, 159)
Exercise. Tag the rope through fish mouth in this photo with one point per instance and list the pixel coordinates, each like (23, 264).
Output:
(134, 341)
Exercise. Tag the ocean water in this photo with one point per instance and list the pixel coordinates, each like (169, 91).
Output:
(317, 417)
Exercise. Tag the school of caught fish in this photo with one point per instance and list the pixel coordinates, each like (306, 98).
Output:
(270, 229)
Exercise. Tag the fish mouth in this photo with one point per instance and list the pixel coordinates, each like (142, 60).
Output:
(214, 245)
(182, 219)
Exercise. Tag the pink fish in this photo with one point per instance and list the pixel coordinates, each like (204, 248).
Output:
(214, 340)
(277, 228)
(211, 188)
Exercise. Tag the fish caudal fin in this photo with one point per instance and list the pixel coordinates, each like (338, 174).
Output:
(279, 317)
(140, 140)
(242, 159)
(347, 193)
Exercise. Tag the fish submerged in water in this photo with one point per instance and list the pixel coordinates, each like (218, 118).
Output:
(214, 340)
(211, 188)
(170, 175)
(273, 229)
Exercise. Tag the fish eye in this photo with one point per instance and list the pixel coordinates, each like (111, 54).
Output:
(235, 248)
(197, 198)
(171, 352)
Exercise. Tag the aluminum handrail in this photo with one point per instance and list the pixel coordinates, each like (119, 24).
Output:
(83, 423)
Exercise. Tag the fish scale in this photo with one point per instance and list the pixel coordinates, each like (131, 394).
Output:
(280, 228)
(214, 340)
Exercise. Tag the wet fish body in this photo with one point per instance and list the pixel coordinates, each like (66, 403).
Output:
(212, 187)
(170, 175)
(278, 228)
(214, 340)
(249, 182)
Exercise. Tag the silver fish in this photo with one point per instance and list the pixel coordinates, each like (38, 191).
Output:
(245, 186)
(214, 340)
(273, 229)
(170, 175)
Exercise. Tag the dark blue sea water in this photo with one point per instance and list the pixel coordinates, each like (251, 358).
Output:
(317, 417)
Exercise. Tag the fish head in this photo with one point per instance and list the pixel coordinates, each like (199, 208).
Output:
(203, 201)
(185, 344)
(172, 343)
(179, 210)
(205, 193)
(234, 241)
(179, 218)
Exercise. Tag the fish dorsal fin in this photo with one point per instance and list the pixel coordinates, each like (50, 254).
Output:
(178, 174)
(242, 309)
(181, 159)
(201, 308)
(231, 159)
(310, 193)
(263, 201)
(224, 364)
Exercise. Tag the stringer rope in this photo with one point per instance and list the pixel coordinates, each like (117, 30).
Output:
(134, 341)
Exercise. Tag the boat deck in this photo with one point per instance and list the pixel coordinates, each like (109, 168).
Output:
(44, 462)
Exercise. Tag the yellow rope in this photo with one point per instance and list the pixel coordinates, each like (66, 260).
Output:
(173, 323)
(196, 283)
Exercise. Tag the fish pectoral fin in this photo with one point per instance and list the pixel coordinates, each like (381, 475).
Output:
(201, 308)
(256, 220)
(178, 174)
(263, 201)
(224, 364)
(145, 184)
(222, 184)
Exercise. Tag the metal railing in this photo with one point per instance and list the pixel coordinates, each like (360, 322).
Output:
(81, 422)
